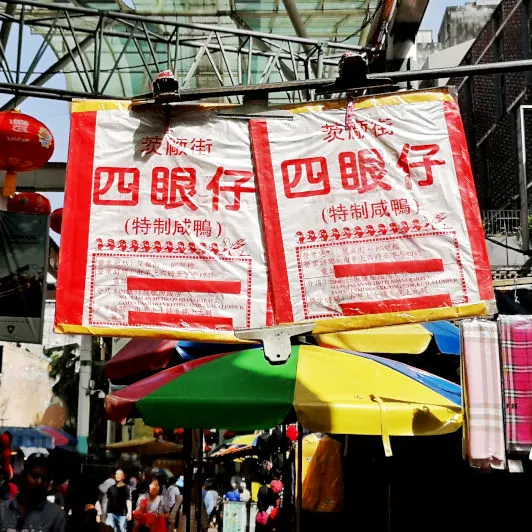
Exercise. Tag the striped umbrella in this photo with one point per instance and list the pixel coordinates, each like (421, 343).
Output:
(411, 339)
(328, 390)
(235, 445)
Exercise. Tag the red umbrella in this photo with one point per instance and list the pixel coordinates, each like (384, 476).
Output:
(61, 438)
(138, 357)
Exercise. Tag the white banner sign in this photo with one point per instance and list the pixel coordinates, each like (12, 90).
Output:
(367, 212)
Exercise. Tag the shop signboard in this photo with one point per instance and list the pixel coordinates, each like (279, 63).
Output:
(23, 267)
(178, 220)
(161, 229)
(388, 221)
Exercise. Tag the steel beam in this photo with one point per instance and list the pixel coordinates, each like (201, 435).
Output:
(299, 28)
(6, 24)
(117, 16)
(49, 73)
(81, 28)
(308, 84)
(49, 178)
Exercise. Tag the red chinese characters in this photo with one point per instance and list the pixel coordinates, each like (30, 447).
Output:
(173, 188)
(359, 130)
(361, 171)
(419, 157)
(170, 145)
(315, 173)
(230, 181)
(116, 186)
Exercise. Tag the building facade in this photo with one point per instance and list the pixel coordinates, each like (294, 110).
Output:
(490, 105)
(25, 386)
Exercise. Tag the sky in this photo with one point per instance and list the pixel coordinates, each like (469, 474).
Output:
(435, 11)
(55, 114)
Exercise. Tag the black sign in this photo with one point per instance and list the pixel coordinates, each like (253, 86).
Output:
(23, 268)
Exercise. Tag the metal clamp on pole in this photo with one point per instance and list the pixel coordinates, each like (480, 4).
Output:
(165, 86)
(165, 90)
(353, 77)
(276, 340)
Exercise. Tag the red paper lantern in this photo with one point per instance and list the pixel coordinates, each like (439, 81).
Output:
(29, 203)
(179, 433)
(56, 220)
(5, 448)
(25, 144)
(292, 433)
(157, 433)
(228, 434)
(207, 448)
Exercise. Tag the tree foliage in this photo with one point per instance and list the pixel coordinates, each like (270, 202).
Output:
(64, 370)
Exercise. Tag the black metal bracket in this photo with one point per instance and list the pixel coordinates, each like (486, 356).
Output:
(353, 78)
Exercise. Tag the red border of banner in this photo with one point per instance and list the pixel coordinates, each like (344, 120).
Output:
(466, 185)
(265, 179)
(76, 218)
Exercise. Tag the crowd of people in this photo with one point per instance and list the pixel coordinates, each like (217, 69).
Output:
(35, 503)
(150, 503)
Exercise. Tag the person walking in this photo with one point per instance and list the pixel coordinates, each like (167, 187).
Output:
(151, 513)
(30, 510)
(119, 510)
(174, 500)
(211, 500)
(102, 495)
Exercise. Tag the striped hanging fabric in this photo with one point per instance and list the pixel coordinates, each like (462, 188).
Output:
(482, 395)
(516, 349)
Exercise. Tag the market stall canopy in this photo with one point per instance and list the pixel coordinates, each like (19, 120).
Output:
(25, 437)
(236, 445)
(28, 451)
(60, 437)
(397, 339)
(140, 358)
(146, 447)
(329, 391)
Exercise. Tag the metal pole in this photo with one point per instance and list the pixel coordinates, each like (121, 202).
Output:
(299, 476)
(199, 474)
(84, 404)
(187, 503)
(19, 44)
(36, 90)
(523, 189)
(45, 76)
(299, 27)
(111, 426)
(6, 24)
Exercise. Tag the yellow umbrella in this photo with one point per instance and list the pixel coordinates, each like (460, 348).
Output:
(396, 339)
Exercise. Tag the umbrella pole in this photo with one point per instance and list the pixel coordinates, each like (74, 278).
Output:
(199, 474)
(187, 448)
(299, 476)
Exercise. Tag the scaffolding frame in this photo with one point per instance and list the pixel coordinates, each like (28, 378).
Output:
(96, 48)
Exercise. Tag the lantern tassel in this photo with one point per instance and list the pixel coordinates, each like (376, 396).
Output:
(10, 184)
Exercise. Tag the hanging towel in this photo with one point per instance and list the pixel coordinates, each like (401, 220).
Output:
(482, 395)
(516, 348)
